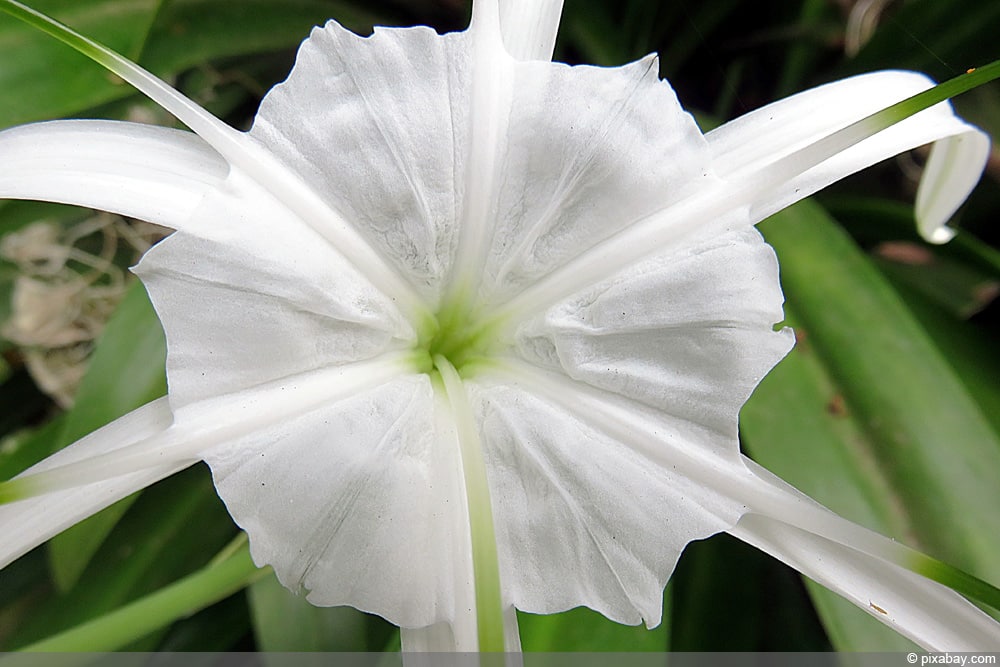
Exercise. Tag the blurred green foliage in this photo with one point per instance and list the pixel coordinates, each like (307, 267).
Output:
(888, 410)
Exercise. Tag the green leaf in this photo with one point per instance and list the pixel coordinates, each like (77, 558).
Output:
(125, 372)
(48, 80)
(173, 528)
(123, 626)
(971, 350)
(867, 416)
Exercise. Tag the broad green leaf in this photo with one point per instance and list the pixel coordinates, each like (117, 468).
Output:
(960, 289)
(122, 627)
(971, 351)
(47, 80)
(867, 415)
(125, 372)
(15, 213)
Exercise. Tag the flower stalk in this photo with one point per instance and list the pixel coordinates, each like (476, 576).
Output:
(486, 568)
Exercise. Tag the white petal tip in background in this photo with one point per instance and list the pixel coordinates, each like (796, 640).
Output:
(953, 168)
(749, 145)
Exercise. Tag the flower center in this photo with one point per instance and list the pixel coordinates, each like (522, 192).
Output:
(460, 333)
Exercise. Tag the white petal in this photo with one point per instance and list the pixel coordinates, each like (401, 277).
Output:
(574, 510)
(753, 141)
(953, 169)
(248, 293)
(377, 127)
(529, 27)
(142, 171)
(330, 495)
(580, 150)
(689, 333)
(930, 614)
(595, 496)
(588, 151)
(27, 523)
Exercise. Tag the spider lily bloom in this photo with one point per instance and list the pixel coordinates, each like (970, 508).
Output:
(458, 329)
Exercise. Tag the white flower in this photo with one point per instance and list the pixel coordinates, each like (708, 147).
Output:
(460, 329)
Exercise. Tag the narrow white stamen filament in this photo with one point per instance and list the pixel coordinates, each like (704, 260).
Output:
(200, 426)
(485, 565)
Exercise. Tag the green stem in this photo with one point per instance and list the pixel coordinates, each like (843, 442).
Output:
(137, 619)
(485, 564)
